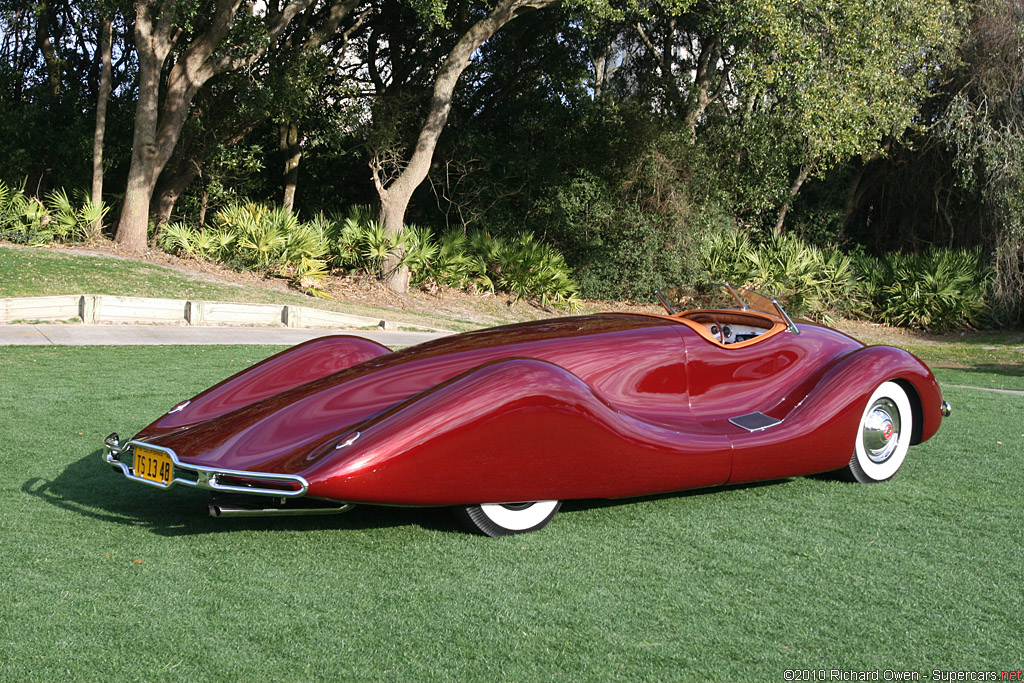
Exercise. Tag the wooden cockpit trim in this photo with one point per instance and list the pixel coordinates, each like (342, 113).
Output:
(771, 324)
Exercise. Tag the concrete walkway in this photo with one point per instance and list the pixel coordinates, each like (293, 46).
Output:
(102, 335)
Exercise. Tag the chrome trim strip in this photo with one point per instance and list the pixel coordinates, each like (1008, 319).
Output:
(219, 509)
(789, 321)
(178, 407)
(741, 302)
(206, 477)
(348, 442)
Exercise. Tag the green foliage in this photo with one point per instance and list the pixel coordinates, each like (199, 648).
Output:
(362, 244)
(844, 75)
(23, 219)
(26, 220)
(261, 238)
(72, 223)
(268, 239)
(625, 234)
(938, 290)
(983, 125)
(522, 266)
(811, 281)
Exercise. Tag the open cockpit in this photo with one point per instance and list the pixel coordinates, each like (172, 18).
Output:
(725, 314)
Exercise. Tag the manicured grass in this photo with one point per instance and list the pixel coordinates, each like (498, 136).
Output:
(106, 579)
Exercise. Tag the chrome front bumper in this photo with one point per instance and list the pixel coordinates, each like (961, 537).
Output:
(210, 478)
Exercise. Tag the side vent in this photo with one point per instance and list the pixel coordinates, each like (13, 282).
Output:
(754, 422)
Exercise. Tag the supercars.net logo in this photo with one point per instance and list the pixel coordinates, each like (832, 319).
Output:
(892, 675)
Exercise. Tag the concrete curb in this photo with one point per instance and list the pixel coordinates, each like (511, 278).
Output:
(100, 308)
(175, 335)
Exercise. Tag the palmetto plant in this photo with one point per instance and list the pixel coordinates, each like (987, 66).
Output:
(811, 281)
(257, 237)
(936, 290)
(23, 219)
(722, 256)
(27, 220)
(72, 223)
(420, 252)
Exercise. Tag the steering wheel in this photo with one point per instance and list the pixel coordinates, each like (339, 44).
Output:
(714, 322)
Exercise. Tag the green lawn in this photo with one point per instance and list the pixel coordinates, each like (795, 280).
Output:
(105, 579)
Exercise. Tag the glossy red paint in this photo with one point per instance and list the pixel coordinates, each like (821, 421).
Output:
(610, 405)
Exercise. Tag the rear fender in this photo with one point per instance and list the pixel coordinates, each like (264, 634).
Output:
(288, 369)
(513, 430)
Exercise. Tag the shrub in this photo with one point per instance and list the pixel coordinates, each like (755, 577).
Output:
(27, 220)
(257, 237)
(940, 289)
(937, 290)
(811, 281)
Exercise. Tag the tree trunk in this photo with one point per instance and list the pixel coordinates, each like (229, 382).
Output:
(701, 95)
(157, 128)
(145, 163)
(805, 171)
(50, 57)
(172, 184)
(394, 199)
(292, 155)
(855, 192)
(106, 76)
(204, 204)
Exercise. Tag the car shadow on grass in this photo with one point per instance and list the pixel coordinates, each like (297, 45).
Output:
(90, 488)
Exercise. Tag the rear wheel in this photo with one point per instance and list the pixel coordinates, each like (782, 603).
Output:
(503, 519)
(883, 437)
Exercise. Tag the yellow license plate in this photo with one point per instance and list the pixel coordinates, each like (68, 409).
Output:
(154, 466)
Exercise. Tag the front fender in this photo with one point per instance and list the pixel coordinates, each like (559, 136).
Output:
(819, 433)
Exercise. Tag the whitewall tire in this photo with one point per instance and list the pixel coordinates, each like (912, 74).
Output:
(883, 436)
(503, 519)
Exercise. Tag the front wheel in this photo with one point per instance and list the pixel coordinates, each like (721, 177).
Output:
(883, 437)
(503, 519)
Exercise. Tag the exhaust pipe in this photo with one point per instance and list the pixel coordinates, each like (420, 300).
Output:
(242, 510)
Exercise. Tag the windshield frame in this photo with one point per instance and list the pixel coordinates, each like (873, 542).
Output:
(753, 301)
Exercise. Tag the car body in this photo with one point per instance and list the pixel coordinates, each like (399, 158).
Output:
(504, 423)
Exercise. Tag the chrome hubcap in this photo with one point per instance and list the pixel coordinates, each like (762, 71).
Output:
(881, 432)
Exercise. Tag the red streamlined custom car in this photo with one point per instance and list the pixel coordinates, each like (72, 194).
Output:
(502, 424)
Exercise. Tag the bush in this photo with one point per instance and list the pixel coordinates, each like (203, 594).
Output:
(815, 282)
(618, 246)
(271, 240)
(937, 290)
(257, 237)
(27, 220)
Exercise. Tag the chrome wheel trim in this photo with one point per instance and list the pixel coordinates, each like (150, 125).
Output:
(518, 516)
(880, 432)
(877, 456)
